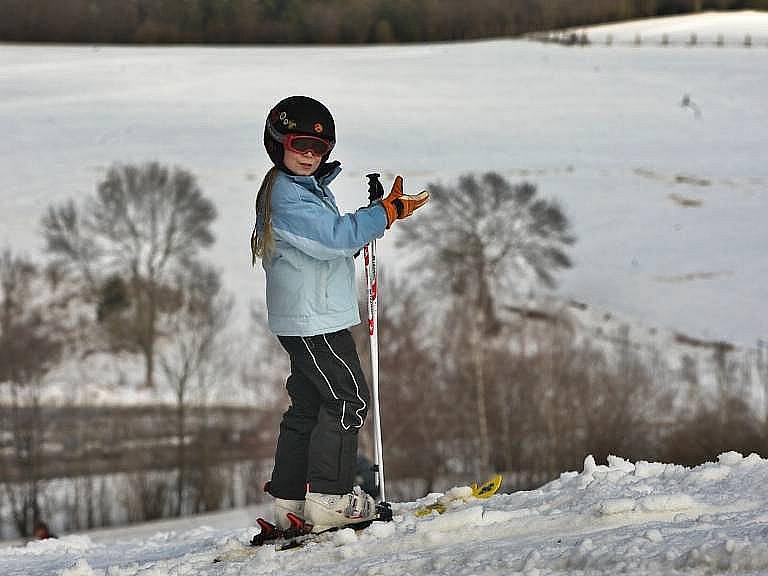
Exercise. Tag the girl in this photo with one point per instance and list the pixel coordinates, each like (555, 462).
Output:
(306, 247)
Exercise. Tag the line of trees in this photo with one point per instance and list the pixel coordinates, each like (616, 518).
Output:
(317, 21)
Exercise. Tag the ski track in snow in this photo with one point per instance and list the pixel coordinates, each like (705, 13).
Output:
(641, 518)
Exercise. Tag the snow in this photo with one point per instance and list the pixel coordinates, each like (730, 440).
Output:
(601, 129)
(639, 518)
(732, 26)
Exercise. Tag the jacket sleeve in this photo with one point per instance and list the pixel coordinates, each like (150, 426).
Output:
(305, 222)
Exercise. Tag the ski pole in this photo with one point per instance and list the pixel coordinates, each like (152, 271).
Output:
(375, 192)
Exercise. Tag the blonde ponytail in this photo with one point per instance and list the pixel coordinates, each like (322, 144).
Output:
(263, 244)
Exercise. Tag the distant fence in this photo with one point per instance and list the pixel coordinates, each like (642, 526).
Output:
(583, 38)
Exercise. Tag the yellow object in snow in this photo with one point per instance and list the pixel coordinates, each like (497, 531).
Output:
(462, 493)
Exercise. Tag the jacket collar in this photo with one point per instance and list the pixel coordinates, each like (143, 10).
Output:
(325, 174)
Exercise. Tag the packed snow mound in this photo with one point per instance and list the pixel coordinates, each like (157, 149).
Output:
(637, 518)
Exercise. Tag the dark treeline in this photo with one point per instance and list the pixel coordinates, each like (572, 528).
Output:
(317, 21)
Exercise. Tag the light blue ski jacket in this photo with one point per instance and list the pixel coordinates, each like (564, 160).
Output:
(311, 275)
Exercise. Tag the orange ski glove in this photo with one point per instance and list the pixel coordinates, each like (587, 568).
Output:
(399, 205)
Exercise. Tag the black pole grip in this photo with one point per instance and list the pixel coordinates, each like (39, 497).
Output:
(375, 189)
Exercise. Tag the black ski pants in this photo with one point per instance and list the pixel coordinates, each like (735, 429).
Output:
(318, 433)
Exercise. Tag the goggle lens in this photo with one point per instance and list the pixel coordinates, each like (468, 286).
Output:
(301, 144)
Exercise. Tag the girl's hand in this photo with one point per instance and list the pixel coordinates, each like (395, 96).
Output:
(399, 205)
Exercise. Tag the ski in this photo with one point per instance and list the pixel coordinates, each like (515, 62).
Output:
(297, 535)
(310, 537)
(300, 533)
(282, 540)
(461, 494)
(307, 533)
(268, 534)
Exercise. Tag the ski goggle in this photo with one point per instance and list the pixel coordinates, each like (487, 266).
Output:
(301, 144)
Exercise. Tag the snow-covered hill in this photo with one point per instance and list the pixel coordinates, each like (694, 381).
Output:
(668, 206)
(618, 517)
(709, 27)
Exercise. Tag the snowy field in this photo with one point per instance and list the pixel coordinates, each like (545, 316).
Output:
(616, 517)
(669, 207)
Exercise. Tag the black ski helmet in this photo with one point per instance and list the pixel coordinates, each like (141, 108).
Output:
(297, 115)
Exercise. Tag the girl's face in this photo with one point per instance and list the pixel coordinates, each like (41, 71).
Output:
(303, 164)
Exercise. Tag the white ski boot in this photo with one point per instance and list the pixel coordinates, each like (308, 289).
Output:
(283, 508)
(327, 511)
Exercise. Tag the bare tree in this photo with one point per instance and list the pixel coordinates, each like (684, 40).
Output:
(474, 235)
(189, 358)
(146, 495)
(417, 413)
(577, 398)
(266, 364)
(144, 223)
(30, 346)
(762, 371)
(471, 240)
